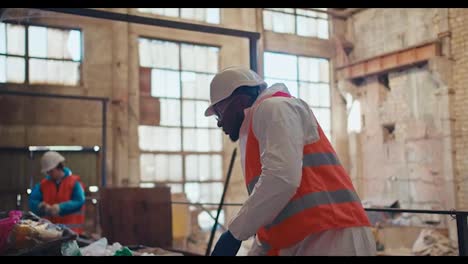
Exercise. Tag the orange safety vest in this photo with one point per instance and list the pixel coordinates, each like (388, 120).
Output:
(325, 199)
(53, 195)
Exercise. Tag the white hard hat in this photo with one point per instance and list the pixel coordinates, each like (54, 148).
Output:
(50, 160)
(228, 80)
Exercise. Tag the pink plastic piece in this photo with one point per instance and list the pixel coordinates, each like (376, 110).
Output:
(6, 225)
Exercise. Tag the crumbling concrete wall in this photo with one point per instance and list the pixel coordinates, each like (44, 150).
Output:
(375, 31)
(410, 163)
(405, 164)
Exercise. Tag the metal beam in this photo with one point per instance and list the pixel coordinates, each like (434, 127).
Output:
(390, 61)
(63, 96)
(252, 36)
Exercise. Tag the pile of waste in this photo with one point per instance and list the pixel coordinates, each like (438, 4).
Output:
(23, 233)
(432, 243)
(101, 247)
(26, 234)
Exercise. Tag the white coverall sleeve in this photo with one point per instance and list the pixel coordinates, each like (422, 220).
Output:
(282, 128)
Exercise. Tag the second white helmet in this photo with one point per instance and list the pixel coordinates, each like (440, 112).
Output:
(50, 160)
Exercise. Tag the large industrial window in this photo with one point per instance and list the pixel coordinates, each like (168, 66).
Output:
(306, 77)
(184, 150)
(208, 15)
(39, 55)
(299, 21)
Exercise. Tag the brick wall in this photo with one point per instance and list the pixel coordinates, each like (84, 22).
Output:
(458, 22)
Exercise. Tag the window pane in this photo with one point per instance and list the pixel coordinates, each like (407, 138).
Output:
(204, 168)
(285, 10)
(37, 71)
(188, 84)
(196, 86)
(199, 58)
(165, 83)
(305, 12)
(157, 53)
(191, 168)
(212, 121)
(268, 20)
(200, 14)
(37, 39)
(16, 40)
(188, 118)
(144, 52)
(188, 57)
(212, 15)
(322, 15)
(203, 140)
(324, 70)
(309, 69)
(196, 139)
(324, 95)
(310, 93)
(71, 73)
(2, 38)
(54, 72)
(175, 187)
(172, 12)
(306, 26)
(153, 138)
(280, 66)
(56, 40)
(170, 112)
(322, 29)
(187, 13)
(175, 167)
(74, 45)
(200, 168)
(147, 167)
(193, 192)
(216, 139)
(15, 70)
(2, 69)
(165, 54)
(284, 23)
(202, 120)
(161, 163)
(211, 192)
(216, 167)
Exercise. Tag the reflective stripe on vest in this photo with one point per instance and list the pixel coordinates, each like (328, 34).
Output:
(312, 200)
(309, 160)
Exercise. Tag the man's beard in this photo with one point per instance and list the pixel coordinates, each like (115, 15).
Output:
(234, 135)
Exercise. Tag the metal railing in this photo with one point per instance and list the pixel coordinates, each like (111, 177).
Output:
(460, 216)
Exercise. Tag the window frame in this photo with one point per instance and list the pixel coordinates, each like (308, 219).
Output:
(26, 56)
(182, 153)
(298, 81)
(179, 16)
(296, 15)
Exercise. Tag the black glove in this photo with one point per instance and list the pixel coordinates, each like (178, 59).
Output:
(227, 245)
